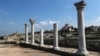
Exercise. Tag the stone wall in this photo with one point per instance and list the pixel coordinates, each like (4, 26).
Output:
(91, 44)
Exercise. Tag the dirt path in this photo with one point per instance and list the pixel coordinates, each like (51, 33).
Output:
(18, 51)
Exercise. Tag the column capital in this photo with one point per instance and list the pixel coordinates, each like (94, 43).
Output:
(26, 24)
(80, 5)
(32, 20)
(55, 24)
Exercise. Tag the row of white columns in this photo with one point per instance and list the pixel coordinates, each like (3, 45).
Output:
(32, 32)
(81, 32)
(81, 42)
(55, 34)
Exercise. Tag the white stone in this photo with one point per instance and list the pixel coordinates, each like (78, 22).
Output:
(26, 33)
(81, 29)
(55, 36)
(41, 38)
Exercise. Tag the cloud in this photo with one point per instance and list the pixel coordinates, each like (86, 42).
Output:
(11, 23)
(95, 22)
(38, 26)
(52, 22)
(69, 17)
(43, 22)
(4, 12)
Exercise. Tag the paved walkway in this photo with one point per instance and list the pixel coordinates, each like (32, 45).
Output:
(74, 50)
(8, 50)
(11, 50)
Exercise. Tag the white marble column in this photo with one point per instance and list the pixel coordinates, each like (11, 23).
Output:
(55, 36)
(81, 29)
(26, 33)
(32, 30)
(41, 38)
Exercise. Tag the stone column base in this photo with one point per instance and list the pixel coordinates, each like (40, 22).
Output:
(26, 42)
(41, 45)
(82, 52)
(32, 43)
(56, 48)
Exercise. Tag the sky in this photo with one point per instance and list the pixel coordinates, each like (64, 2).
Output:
(15, 13)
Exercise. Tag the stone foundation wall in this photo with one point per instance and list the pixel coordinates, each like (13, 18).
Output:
(91, 44)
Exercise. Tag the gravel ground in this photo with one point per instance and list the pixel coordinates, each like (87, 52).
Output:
(18, 51)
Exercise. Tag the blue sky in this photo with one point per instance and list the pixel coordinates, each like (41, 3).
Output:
(14, 13)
